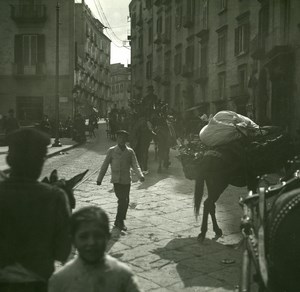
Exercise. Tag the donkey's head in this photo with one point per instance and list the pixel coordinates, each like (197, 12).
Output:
(66, 185)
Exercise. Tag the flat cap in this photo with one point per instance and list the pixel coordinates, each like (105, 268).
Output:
(122, 132)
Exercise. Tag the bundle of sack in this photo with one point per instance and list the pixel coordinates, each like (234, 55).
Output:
(227, 126)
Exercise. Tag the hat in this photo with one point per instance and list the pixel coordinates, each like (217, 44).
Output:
(122, 132)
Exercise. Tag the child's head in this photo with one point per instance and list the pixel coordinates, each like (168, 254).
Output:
(90, 233)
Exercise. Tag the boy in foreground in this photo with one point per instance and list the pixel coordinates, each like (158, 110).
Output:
(93, 270)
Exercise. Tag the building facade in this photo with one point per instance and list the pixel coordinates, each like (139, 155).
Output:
(205, 56)
(28, 59)
(92, 59)
(120, 85)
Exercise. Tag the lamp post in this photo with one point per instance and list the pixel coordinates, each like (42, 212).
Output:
(57, 141)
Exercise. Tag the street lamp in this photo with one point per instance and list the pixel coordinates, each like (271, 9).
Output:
(57, 141)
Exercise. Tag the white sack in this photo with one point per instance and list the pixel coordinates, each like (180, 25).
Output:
(226, 126)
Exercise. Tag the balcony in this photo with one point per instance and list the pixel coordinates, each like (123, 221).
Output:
(28, 13)
(275, 43)
(187, 70)
(201, 75)
(20, 70)
(166, 78)
(187, 21)
(257, 47)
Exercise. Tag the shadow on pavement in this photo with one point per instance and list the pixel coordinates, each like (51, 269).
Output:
(209, 264)
(152, 179)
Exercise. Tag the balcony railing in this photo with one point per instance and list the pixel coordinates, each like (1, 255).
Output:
(200, 75)
(28, 13)
(275, 39)
(37, 70)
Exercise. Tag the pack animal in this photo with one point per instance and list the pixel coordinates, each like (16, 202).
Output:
(66, 185)
(232, 164)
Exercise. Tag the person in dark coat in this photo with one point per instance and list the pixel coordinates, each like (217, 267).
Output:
(34, 217)
(11, 123)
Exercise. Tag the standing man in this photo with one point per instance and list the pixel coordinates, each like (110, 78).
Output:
(120, 158)
(11, 123)
(34, 217)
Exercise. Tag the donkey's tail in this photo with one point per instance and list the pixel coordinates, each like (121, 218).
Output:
(198, 194)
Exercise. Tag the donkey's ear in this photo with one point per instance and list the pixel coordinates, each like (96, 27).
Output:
(72, 182)
(45, 180)
(53, 176)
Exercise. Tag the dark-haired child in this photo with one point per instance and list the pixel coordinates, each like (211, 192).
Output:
(93, 270)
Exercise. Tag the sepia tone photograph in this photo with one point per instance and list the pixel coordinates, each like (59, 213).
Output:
(149, 145)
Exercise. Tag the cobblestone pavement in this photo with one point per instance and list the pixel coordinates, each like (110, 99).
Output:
(160, 244)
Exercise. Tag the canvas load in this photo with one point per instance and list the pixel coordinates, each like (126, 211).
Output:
(227, 126)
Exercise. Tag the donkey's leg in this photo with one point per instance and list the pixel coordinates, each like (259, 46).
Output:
(215, 190)
(201, 236)
(218, 231)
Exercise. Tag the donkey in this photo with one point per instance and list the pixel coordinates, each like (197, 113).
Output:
(233, 164)
(66, 185)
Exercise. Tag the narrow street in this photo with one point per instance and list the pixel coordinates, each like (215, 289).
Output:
(160, 244)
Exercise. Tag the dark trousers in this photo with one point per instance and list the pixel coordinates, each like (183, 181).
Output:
(122, 193)
(24, 287)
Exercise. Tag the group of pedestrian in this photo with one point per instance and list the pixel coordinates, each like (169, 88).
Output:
(9, 123)
(37, 227)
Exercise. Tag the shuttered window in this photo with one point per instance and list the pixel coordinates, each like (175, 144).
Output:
(242, 38)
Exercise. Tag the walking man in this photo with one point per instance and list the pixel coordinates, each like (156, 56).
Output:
(121, 158)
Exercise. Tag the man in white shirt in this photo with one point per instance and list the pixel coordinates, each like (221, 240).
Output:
(121, 158)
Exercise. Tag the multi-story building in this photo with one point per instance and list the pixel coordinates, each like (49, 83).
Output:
(207, 55)
(120, 85)
(28, 59)
(92, 59)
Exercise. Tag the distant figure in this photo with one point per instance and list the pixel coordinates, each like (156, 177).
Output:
(34, 217)
(79, 128)
(45, 125)
(121, 158)
(69, 127)
(11, 123)
(93, 270)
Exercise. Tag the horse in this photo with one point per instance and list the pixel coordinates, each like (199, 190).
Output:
(66, 185)
(238, 163)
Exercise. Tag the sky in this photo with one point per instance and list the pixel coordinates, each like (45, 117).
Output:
(116, 12)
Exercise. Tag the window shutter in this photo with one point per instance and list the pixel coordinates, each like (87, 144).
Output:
(18, 52)
(41, 48)
(236, 41)
(247, 37)
(18, 48)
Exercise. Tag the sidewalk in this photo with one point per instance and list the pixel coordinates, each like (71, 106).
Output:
(67, 143)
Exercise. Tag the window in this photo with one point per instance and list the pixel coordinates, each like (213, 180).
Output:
(203, 56)
(149, 69)
(150, 34)
(177, 63)
(189, 57)
(222, 47)
(242, 36)
(168, 25)
(204, 19)
(223, 5)
(29, 108)
(29, 53)
(178, 16)
(221, 85)
(242, 77)
(148, 4)
(159, 25)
